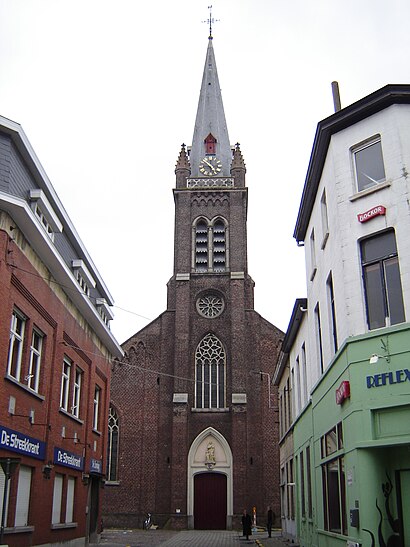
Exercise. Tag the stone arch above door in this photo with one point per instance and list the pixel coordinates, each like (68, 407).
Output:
(209, 452)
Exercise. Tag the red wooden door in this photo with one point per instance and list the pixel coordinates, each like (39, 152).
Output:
(210, 501)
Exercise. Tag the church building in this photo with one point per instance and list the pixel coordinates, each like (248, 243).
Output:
(193, 425)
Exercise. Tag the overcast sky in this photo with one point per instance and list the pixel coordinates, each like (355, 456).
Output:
(107, 91)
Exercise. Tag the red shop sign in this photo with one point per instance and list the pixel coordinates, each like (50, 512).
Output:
(342, 392)
(374, 212)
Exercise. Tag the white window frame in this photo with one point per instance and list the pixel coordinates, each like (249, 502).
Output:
(65, 383)
(325, 219)
(313, 265)
(361, 148)
(33, 378)
(16, 345)
(96, 407)
(75, 409)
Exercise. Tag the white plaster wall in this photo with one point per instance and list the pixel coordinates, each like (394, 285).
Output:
(341, 254)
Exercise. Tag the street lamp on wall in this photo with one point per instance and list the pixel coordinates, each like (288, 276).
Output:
(269, 382)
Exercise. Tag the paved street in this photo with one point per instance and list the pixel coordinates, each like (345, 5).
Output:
(186, 538)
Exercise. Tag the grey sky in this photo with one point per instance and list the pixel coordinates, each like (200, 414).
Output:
(107, 91)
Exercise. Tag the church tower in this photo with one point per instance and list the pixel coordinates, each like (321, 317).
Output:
(193, 414)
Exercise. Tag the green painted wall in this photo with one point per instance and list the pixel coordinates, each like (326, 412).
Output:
(376, 434)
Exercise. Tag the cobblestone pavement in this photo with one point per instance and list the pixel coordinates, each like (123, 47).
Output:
(186, 538)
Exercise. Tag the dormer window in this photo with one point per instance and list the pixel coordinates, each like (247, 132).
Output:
(83, 276)
(210, 144)
(104, 310)
(45, 213)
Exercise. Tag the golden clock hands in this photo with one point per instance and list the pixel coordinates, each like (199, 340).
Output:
(210, 165)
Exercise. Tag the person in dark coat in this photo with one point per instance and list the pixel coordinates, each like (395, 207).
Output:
(269, 521)
(246, 524)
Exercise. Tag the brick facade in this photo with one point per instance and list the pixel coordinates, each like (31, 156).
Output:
(52, 449)
(156, 433)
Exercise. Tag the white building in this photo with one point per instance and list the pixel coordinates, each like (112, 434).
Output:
(354, 223)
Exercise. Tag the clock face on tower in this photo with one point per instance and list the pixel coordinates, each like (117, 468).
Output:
(210, 166)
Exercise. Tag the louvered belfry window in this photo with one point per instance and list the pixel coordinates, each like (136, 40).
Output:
(210, 246)
(210, 364)
(219, 246)
(201, 246)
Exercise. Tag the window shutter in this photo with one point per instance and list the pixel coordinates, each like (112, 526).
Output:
(2, 487)
(70, 499)
(23, 496)
(57, 495)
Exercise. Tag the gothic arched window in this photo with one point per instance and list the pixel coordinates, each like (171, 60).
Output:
(210, 370)
(210, 244)
(112, 452)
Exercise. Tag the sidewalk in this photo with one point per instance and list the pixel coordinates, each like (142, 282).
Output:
(187, 538)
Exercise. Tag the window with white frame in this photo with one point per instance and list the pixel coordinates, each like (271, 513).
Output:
(43, 219)
(304, 372)
(65, 383)
(23, 496)
(113, 437)
(298, 386)
(332, 311)
(17, 328)
(210, 365)
(96, 407)
(313, 266)
(36, 347)
(325, 219)
(75, 410)
(382, 280)
(319, 343)
(369, 165)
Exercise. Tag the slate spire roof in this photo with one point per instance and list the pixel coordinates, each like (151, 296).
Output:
(210, 119)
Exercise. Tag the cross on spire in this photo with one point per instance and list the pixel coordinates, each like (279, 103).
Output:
(210, 21)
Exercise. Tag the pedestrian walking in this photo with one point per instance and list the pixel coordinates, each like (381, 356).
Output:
(246, 524)
(269, 521)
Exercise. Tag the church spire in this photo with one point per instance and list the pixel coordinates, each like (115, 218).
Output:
(210, 121)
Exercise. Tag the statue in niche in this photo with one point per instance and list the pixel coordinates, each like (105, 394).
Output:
(210, 455)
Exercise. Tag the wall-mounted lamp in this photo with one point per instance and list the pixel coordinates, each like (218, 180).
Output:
(262, 374)
(85, 477)
(46, 470)
(374, 358)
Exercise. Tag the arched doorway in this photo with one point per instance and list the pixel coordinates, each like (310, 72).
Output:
(210, 475)
(210, 501)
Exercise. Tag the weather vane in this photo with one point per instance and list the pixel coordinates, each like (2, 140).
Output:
(210, 21)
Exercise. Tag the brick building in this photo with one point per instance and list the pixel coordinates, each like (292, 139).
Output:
(55, 352)
(193, 417)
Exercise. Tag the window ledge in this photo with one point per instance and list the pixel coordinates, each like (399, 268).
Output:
(324, 241)
(371, 190)
(112, 483)
(23, 386)
(209, 410)
(71, 416)
(19, 530)
(97, 432)
(62, 525)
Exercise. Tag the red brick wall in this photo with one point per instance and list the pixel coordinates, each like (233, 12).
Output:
(23, 287)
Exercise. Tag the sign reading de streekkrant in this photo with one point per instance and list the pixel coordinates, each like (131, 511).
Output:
(22, 443)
